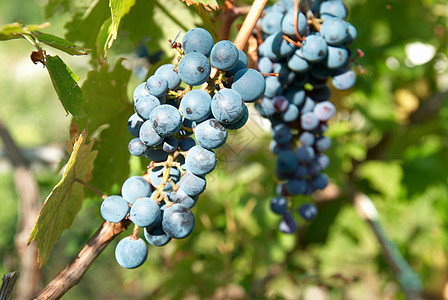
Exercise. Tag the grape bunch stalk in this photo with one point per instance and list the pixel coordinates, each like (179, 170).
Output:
(304, 47)
(168, 111)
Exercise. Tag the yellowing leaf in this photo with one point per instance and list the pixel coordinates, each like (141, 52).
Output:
(208, 4)
(118, 9)
(65, 201)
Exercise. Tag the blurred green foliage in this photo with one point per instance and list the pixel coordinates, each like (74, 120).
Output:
(390, 140)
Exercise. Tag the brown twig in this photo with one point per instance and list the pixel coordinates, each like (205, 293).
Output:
(92, 188)
(74, 270)
(249, 23)
(30, 276)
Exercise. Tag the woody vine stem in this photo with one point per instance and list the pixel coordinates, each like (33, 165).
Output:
(75, 269)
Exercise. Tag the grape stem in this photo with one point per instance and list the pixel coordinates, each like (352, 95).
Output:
(135, 233)
(92, 188)
(159, 195)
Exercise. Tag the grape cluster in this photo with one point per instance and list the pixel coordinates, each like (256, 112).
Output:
(304, 50)
(168, 111)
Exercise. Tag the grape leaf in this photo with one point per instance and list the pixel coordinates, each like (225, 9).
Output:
(118, 8)
(384, 177)
(208, 4)
(107, 111)
(65, 201)
(64, 82)
(14, 30)
(53, 5)
(59, 43)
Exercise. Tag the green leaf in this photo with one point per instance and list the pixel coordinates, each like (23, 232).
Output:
(59, 43)
(65, 201)
(85, 25)
(208, 4)
(64, 82)
(53, 5)
(107, 111)
(14, 30)
(118, 8)
(384, 177)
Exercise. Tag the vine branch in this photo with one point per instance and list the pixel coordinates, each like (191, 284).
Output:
(74, 270)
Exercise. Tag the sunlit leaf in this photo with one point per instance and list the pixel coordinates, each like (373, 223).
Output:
(118, 8)
(65, 201)
(60, 43)
(208, 4)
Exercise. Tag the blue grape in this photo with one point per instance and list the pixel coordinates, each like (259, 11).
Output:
(265, 65)
(324, 110)
(134, 124)
(186, 144)
(265, 107)
(291, 113)
(241, 122)
(320, 181)
(195, 105)
(337, 57)
(192, 185)
(282, 134)
(279, 205)
(323, 144)
(320, 93)
(137, 147)
(210, 134)
(273, 87)
(298, 63)
(200, 161)
(352, 33)
(131, 253)
(156, 85)
(242, 63)
(140, 92)
(224, 55)
(250, 84)
(287, 161)
(334, 31)
(156, 155)
(197, 40)
(281, 47)
(305, 154)
(323, 161)
(135, 187)
(308, 211)
(180, 197)
(114, 209)
(296, 186)
(314, 48)
(300, 172)
(156, 236)
(288, 26)
(295, 96)
(309, 121)
(227, 106)
(344, 80)
(333, 8)
(145, 212)
(144, 106)
(272, 22)
(276, 148)
(265, 48)
(288, 224)
(169, 72)
(170, 144)
(306, 138)
(149, 136)
(178, 221)
(307, 106)
(166, 120)
(194, 68)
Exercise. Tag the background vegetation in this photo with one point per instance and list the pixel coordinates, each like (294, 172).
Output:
(390, 140)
